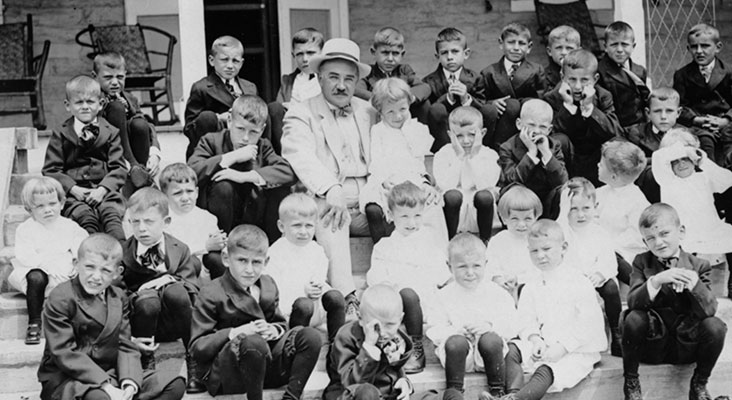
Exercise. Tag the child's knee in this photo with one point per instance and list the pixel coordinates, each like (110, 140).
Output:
(223, 191)
(115, 109)
(139, 128)
(147, 307)
(250, 347)
(635, 324)
(36, 278)
(409, 297)
(333, 300)
(713, 328)
(308, 338)
(207, 121)
(363, 391)
(453, 198)
(303, 306)
(457, 345)
(490, 342)
(483, 199)
(176, 297)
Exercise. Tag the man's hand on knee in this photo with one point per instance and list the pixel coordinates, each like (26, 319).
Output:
(335, 213)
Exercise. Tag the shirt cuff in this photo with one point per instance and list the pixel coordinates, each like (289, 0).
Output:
(467, 102)
(588, 111)
(260, 181)
(373, 351)
(571, 108)
(154, 151)
(129, 382)
(652, 292)
(449, 99)
(546, 158)
(533, 158)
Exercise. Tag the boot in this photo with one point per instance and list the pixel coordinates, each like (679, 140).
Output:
(194, 384)
(632, 389)
(147, 359)
(416, 361)
(33, 334)
(616, 342)
(698, 389)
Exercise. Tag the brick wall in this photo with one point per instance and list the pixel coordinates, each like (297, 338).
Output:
(420, 21)
(59, 21)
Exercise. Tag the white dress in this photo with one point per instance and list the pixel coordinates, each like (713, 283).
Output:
(417, 261)
(507, 255)
(562, 307)
(618, 211)
(454, 307)
(693, 199)
(193, 228)
(590, 249)
(51, 248)
(292, 267)
(468, 174)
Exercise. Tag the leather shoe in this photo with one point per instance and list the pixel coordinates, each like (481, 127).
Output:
(33, 334)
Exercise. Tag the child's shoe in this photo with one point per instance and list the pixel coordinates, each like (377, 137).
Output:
(616, 342)
(698, 389)
(33, 334)
(632, 389)
(492, 394)
(194, 384)
(416, 361)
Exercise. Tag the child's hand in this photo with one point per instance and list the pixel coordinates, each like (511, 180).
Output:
(372, 331)
(588, 97)
(157, 283)
(458, 90)
(79, 193)
(677, 277)
(477, 329)
(314, 290)
(542, 143)
(554, 352)
(251, 328)
(694, 154)
(145, 344)
(432, 196)
(539, 348)
(566, 92)
(244, 154)
(216, 241)
(95, 196)
(113, 392)
(224, 116)
(228, 174)
(266, 330)
(715, 124)
(528, 141)
(596, 279)
(153, 164)
(500, 104)
(129, 392)
(403, 387)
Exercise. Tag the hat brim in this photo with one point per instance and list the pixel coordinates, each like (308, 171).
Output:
(363, 69)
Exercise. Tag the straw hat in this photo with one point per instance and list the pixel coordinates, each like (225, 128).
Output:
(340, 48)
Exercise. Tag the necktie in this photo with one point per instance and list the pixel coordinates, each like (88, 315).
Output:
(343, 111)
(230, 87)
(452, 79)
(633, 77)
(670, 262)
(102, 296)
(311, 76)
(706, 72)
(514, 68)
(151, 259)
(89, 133)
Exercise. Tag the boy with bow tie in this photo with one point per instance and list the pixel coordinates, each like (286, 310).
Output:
(161, 279)
(670, 316)
(86, 156)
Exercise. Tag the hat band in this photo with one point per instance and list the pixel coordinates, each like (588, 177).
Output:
(337, 53)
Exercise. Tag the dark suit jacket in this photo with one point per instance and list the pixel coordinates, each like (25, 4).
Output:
(284, 94)
(642, 135)
(552, 75)
(222, 305)
(629, 98)
(420, 91)
(586, 134)
(349, 364)
(177, 258)
(438, 83)
(699, 97)
(687, 308)
(206, 159)
(71, 163)
(493, 83)
(210, 94)
(516, 166)
(86, 341)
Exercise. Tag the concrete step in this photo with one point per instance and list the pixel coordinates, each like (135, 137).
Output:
(13, 216)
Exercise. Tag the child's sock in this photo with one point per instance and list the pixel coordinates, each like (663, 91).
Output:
(537, 385)
(457, 348)
(335, 310)
(37, 280)
(490, 347)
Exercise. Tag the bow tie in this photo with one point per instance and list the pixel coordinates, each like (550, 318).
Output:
(706, 72)
(669, 262)
(89, 133)
(342, 111)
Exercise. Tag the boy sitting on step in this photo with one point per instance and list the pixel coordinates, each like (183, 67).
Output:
(299, 266)
(89, 353)
(45, 248)
(671, 307)
(239, 338)
(469, 336)
(366, 360)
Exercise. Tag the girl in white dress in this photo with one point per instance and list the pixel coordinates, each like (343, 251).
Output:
(399, 145)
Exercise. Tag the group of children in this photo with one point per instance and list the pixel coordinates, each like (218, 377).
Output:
(534, 144)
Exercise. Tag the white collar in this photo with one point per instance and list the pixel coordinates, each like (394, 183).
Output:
(709, 67)
(456, 73)
(507, 64)
(141, 248)
(78, 125)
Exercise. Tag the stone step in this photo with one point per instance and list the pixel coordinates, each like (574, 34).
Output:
(13, 216)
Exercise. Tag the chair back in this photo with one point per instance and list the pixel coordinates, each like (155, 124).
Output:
(14, 51)
(127, 40)
(575, 14)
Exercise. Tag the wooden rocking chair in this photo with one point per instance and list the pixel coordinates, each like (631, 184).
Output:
(129, 41)
(21, 72)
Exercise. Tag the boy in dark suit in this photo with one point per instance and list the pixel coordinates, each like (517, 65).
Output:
(207, 109)
(122, 110)
(161, 279)
(506, 83)
(239, 337)
(89, 354)
(366, 359)
(584, 112)
(241, 179)
(86, 156)
(670, 317)
(388, 50)
(705, 87)
(561, 41)
(532, 157)
(623, 78)
(452, 86)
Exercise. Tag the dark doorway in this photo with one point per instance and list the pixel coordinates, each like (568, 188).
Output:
(254, 23)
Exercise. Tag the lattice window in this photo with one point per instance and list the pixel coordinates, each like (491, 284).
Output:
(667, 24)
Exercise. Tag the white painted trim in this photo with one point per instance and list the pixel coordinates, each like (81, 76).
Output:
(528, 5)
(338, 23)
(134, 8)
(192, 43)
(631, 11)
(2, 18)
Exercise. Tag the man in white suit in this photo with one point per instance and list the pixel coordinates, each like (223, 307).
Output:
(326, 141)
